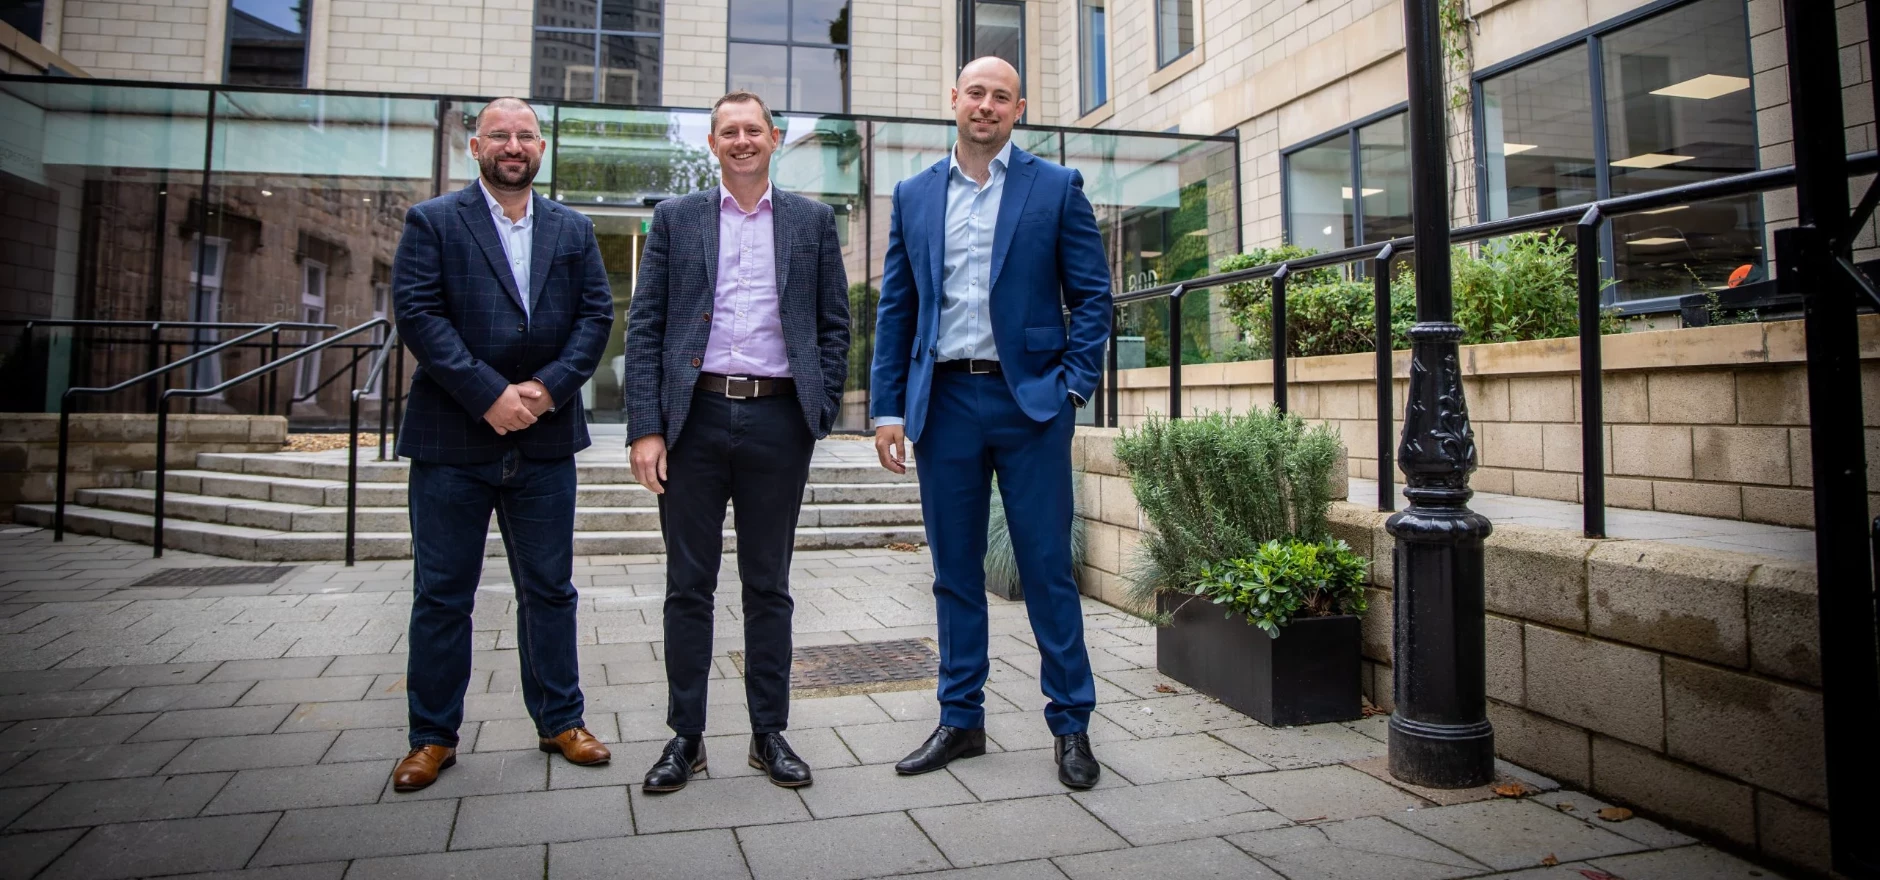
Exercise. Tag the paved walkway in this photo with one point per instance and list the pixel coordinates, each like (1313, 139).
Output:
(155, 731)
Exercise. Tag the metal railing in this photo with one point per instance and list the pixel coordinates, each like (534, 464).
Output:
(267, 369)
(1585, 221)
(389, 350)
(160, 351)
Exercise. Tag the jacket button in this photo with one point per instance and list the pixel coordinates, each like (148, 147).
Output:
(522, 328)
(708, 317)
(697, 362)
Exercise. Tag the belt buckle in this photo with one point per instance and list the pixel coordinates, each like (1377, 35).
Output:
(731, 379)
(972, 367)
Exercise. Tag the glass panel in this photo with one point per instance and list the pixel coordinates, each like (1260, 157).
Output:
(1093, 66)
(1679, 110)
(999, 29)
(98, 186)
(1318, 196)
(267, 42)
(818, 79)
(822, 158)
(564, 66)
(640, 16)
(460, 124)
(631, 71)
(759, 20)
(1038, 142)
(566, 13)
(310, 193)
(26, 16)
(1384, 178)
(761, 69)
(1537, 125)
(1175, 29)
(1142, 341)
(820, 21)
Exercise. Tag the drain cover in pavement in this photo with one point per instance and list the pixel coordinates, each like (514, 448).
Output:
(863, 668)
(216, 576)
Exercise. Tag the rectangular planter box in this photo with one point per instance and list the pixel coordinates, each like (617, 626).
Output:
(1309, 675)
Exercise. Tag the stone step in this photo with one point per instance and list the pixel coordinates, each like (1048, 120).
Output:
(590, 469)
(331, 493)
(309, 518)
(271, 545)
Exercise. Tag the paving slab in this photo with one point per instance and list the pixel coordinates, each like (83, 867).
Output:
(851, 791)
(96, 762)
(1370, 848)
(1036, 869)
(96, 730)
(1206, 859)
(103, 802)
(1325, 794)
(1172, 811)
(299, 788)
(542, 817)
(1508, 834)
(170, 697)
(27, 854)
(1291, 748)
(480, 773)
(15, 801)
(141, 849)
(685, 855)
(249, 752)
(521, 861)
(716, 803)
(881, 845)
(1683, 863)
(888, 742)
(196, 723)
(334, 833)
(1005, 775)
(1168, 758)
(1015, 830)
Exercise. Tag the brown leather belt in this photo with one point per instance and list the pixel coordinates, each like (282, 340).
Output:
(744, 387)
(975, 367)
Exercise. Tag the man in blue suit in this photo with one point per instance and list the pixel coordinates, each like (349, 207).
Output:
(973, 363)
(502, 296)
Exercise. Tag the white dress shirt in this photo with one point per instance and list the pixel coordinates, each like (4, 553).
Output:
(518, 240)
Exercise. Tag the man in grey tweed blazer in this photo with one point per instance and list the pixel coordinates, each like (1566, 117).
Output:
(737, 348)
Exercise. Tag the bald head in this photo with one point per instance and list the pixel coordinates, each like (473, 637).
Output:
(986, 104)
(991, 69)
(507, 104)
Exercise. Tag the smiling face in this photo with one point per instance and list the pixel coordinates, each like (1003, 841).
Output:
(742, 138)
(508, 145)
(986, 102)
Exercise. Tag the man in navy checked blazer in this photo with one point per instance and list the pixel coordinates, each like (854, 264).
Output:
(502, 296)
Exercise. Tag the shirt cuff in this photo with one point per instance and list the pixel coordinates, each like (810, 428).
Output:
(551, 403)
(884, 421)
(1077, 400)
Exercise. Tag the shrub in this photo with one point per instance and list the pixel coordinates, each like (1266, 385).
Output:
(1220, 486)
(1001, 560)
(1281, 581)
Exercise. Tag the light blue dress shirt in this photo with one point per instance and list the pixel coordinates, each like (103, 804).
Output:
(518, 240)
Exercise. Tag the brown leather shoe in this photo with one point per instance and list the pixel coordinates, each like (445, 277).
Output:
(578, 746)
(421, 766)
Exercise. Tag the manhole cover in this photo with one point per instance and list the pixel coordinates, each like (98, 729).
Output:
(216, 576)
(864, 668)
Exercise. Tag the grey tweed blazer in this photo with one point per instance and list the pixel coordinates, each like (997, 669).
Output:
(669, 321)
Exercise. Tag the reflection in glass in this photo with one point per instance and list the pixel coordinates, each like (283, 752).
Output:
(1319, 198)
(999, 30)
(820, 21)
(1384, 178)
(1093, 64)
(1174, 29)
(566, 13)
(817, 79)
(637, 16)
(630, 72)
(267, 42)
(759, 20)
(761, 69)
(822, 159)
(564, 66)
(1537, 127)
(1678, 111)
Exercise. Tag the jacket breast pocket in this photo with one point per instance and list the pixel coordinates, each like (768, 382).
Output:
(1037, 217)
(1045, 339)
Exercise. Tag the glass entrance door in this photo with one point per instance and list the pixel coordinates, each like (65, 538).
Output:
(622, 236)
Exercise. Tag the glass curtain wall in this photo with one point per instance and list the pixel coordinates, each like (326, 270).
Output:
(146, 203)
(1351, 187)
(793, 52)
(606, 51)
(1671, 95)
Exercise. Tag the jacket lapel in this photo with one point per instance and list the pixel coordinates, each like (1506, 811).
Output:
(708, 224)
(941, 176)
(781, 227)
(476, 215)
(547, 232)
(1018, 179)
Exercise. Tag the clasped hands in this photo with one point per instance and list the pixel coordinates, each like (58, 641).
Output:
(519, 407)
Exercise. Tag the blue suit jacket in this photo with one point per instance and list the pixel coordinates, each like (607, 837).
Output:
(459, 311)
(1047, 257)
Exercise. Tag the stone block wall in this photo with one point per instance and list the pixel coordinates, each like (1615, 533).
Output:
(108, 449)
(1682, 682)
(1707, 421)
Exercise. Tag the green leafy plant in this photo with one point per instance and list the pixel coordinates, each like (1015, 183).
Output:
(1218, 487)
(1286, 579)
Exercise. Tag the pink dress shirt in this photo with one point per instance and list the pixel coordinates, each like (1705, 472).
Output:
(747, 328)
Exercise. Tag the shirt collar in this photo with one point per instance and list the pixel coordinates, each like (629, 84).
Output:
(496, 207)
(999, 162)
(725, 197)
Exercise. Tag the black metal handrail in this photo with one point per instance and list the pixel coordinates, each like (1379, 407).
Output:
(65, 402)
(158, 347)
(267, 369)
(376, 376)
(1585, 219)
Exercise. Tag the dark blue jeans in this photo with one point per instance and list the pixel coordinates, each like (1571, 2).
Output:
(450, 519)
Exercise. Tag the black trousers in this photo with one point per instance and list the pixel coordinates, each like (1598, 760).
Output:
(755, 454)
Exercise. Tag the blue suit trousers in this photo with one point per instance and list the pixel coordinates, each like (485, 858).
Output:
(975, 429)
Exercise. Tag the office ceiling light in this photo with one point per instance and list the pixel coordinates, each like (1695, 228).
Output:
(1511, 149)
(1651, 160)
(267, 192)
(1344, 192)
(1703, 88)
(1654, 241)
(1665, 210)
(1326, 231)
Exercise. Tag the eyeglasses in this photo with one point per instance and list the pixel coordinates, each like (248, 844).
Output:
(502, 138)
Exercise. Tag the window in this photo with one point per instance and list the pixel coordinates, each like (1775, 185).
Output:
(208, 257)
(993, 27)
(26, 16)
(1174, 30)
(792, 53)
(267, 42)
(1641, 105)
(1093, 63)
(312, 311)
(1351, 187)
(606, 51)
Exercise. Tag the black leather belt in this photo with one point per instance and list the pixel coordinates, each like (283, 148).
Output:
(744, 387)
(968, 366)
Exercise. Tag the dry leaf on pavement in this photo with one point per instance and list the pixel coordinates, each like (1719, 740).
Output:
(1564, 807)
(1615, 814)
(1164, 689)
(1550, 861)
(1511, 790)
(903, 546)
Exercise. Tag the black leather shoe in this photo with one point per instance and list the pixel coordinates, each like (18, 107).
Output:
(940, 749)
(1077, 767)
(771, 753)
(684, 756)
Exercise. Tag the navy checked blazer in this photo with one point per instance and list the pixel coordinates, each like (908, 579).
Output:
(460, 313)
(669, 322)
